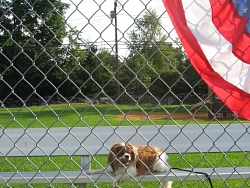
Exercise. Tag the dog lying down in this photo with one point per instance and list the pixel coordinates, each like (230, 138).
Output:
(128, 161)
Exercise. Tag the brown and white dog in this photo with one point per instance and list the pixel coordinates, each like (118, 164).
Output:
(128, 161)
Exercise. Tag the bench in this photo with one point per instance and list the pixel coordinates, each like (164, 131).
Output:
(87, 142)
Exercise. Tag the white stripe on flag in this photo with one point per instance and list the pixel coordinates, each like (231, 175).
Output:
(216, 48)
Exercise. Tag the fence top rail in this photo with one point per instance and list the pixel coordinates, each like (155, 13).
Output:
(98, 140)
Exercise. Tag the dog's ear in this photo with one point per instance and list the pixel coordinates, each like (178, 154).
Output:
(112, 158)
(134, 153)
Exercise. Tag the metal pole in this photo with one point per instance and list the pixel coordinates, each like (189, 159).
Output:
(116, 55)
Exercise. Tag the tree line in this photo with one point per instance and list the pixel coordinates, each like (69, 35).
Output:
(35, 60)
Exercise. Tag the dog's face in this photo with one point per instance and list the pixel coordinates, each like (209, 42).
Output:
(121, 154)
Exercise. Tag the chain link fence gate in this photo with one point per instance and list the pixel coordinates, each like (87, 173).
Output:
(100, 63)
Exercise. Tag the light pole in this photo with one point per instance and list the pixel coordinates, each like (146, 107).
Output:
(113, 14)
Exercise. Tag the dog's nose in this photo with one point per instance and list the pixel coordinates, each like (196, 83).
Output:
(126, 156)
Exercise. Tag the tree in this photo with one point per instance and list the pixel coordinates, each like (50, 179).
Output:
(87, 69)
(151, 56)
(99, 64)
(146, 32)
(31, 34)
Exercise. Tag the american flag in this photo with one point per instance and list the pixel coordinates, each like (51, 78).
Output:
(216, 39)
(243, 9)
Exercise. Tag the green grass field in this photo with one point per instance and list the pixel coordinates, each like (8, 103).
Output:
(104, 115)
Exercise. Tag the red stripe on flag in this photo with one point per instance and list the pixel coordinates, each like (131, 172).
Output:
(235, 99)
(232, 26)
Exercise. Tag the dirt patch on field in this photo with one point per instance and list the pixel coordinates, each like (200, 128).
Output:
(161, 115)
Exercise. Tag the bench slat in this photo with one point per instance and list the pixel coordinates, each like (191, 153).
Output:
(97, 140)
(80, 177)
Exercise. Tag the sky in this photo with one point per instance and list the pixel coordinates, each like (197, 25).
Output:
(92, 19)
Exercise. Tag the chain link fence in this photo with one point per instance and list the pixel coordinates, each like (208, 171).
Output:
(95, 63)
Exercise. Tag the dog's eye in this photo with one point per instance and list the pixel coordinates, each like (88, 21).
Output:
(120, 153)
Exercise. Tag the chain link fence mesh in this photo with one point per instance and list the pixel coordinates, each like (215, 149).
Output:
(100, 63)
